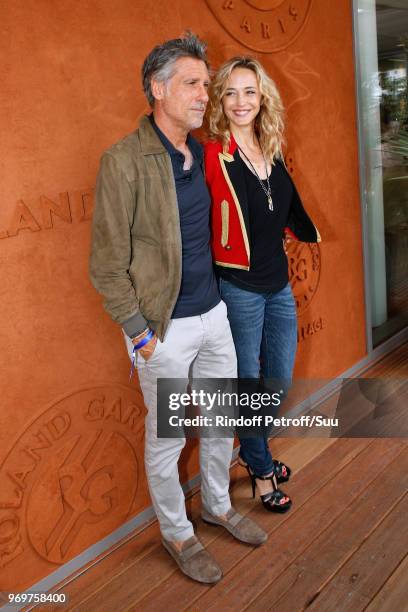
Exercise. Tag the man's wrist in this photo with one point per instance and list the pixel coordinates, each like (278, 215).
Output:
(140, 336)
(135, 325)
(145, 339)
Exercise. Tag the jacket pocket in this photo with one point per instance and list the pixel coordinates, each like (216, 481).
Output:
(224, 222)
(146, 272)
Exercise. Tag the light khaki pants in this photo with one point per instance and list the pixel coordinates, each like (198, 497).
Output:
(198, 347)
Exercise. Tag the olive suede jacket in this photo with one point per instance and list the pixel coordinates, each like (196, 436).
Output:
(136, 256)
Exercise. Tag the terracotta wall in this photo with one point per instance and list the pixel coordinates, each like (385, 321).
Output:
(71, 425)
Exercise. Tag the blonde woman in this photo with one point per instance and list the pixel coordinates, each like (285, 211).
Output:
(254, 204)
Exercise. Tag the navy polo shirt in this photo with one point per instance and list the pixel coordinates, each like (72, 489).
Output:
(198, 291)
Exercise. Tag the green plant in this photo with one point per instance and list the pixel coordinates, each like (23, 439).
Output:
(398, 145)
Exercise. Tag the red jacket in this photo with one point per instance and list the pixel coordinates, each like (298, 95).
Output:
(229, 211)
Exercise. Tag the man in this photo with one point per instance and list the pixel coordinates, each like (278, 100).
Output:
(151, 261)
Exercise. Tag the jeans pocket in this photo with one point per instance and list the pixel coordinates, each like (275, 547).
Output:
(225, 288)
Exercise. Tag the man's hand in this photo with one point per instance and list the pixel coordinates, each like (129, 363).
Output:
(148, 349)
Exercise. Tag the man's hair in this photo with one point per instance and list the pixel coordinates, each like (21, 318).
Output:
(159, 64)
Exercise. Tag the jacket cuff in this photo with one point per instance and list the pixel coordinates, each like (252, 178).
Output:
(288, 232)
(136, 324)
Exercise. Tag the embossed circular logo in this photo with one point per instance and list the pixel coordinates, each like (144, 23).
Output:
(262, 25)
(304, 271)
(72, 476)
(264, 5)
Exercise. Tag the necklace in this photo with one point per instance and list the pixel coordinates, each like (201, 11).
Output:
(267, 192)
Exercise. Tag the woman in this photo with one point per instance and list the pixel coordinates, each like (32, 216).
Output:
(254, 203)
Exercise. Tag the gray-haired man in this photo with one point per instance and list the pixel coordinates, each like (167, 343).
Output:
(151, 261)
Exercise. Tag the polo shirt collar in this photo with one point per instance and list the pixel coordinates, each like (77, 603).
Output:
(192, 144)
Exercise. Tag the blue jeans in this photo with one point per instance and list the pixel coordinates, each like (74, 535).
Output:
(264, 329)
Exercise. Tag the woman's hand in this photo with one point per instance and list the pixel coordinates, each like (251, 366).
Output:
(286, 243)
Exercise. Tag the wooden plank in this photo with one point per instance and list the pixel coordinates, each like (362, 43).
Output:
(305, 578)
(177, 593)
(126, 555)
(359, 416)
(299, 530)
(292, 450)
(386, 420)
(102, 571)
(111, 566)
(393, 365)
(370, 566)
(79, 587)
(282, 446)
(105, 579)
(160, 566)
(288, 580)
(303, 451)
(158, 571)
(394, 594)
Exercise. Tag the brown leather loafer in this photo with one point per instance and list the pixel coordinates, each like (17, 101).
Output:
(239, 526)
(194, 561)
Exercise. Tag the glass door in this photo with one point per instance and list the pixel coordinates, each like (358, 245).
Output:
(382, 50)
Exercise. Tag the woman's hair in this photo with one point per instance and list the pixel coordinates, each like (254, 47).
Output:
(269, 123)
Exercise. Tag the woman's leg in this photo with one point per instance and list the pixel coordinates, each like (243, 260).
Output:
(245, 311)
(279, 340)
(246, 316)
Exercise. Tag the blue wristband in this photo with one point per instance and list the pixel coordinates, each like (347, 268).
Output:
(144, 341)
(137, 346)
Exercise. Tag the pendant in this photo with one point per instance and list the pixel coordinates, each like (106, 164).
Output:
(270, 203)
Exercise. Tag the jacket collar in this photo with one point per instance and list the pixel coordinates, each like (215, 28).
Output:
(235, 179)
(150, 142)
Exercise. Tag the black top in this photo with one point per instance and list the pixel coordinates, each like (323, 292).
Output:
(198, 291)
(268, 266)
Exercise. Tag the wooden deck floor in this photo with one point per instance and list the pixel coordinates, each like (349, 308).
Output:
(343, 545)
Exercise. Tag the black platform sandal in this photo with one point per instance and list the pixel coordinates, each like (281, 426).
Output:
(271, 501)
(282, 471)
